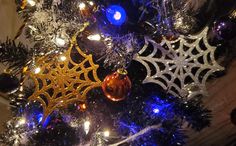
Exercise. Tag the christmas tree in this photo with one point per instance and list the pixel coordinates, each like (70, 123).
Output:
(113, 72)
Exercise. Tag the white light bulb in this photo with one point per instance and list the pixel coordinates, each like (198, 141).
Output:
(82, 6)
(106, 133)
(31, 2)
(21, 88)
(60, 42)
(21, 121)
(91, 3)
(86, 126)
(94, 37)
(37, 70)
(62, 58)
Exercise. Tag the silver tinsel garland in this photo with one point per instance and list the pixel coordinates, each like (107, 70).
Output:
(120, 50)
(50, 27)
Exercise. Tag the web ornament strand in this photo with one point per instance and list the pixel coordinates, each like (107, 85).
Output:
(180, 65)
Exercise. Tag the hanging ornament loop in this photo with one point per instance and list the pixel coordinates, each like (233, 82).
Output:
(122, 73)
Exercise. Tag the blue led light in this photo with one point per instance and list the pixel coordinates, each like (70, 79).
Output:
(39, 118)
(116, 15)
(34, 115)
(156, 110)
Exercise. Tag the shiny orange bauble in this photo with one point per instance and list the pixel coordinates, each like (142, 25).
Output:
(117, 85)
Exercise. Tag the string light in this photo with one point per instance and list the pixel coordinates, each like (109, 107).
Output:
(116, 15)
(86, 126)
(21, 121)
(62, 58)
(37, 70)
(31, 2)
(82, 6)
(156, 110)
(94, 37)
(106, 133)
(60, 42)
(91, 3)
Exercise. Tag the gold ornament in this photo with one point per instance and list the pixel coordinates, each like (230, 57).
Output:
(65, 80)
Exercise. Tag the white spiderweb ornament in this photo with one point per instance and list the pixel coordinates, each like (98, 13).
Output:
(179, 66)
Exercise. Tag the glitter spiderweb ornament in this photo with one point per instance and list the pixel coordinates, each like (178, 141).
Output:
(179, 65)
(64, 81)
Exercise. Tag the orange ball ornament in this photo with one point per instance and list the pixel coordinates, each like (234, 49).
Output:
(117, 85)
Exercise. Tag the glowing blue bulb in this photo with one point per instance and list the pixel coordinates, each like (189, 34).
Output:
(39, 118)
(116, 15)
(156, 110)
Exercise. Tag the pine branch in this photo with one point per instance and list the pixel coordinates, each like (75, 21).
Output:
(195, 113)
(18, 100)
(192, 111)
(15, 56)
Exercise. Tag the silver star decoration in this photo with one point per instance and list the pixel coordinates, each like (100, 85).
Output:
(181, 66)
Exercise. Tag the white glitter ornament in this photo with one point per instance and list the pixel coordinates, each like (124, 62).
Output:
(175, 65)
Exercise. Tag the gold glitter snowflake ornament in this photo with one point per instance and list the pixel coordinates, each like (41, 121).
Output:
(65, 80)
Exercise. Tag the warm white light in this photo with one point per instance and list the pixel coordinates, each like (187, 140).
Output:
(74, 124)
(106, 133)
(62, 58)
(31, 2)
(86, 126)
(37, 70)
(21, 121)
(21, 88)
(60, 42)
(94, 37)
(82, 6)
(117, 15)
(91, 3)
